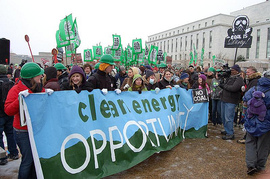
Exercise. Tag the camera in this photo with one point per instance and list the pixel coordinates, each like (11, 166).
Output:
(224, 73)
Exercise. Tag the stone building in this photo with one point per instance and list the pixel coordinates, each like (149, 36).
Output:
(210, 33)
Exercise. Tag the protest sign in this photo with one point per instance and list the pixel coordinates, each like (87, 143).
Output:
(200, 96)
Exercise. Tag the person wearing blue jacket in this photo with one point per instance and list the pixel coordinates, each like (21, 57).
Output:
(258, 132)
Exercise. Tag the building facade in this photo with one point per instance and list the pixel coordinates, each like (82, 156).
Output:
(210, 33)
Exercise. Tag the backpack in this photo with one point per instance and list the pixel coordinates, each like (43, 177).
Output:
(256, 105)
(5, 86)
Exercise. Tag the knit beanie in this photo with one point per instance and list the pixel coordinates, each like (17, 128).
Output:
(3, 70)
(203, 77)
(50, 73)
(77, 69)
(237, 68)
(184, 76)
(148, 73)
(212, 69)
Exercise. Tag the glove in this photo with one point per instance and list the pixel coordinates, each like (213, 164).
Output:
(104, 91)
(176, 86)
(117, 91)
(126, 86)
(25, 93)
(157, 90)
(49, 91)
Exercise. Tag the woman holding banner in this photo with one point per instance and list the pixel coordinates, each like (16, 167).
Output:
(77, 80)
(137, 84)
(30, 82)
(184, 81)
(167, 81)
(128, 81)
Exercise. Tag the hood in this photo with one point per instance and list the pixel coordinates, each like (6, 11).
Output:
(77, 69)
(254, 76)
(135, 70)
(135, 77)
(265, 82)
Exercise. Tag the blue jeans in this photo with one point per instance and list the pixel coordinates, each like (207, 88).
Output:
(216, 111)
(6, 125)
(27, 168)
(227, 116)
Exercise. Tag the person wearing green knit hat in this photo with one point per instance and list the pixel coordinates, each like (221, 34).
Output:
(62, 74)
(30, 82)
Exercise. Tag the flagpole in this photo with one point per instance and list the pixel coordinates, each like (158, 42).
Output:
(26, 37)
(69, 41)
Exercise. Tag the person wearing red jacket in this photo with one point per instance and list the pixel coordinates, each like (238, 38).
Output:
(30, 82)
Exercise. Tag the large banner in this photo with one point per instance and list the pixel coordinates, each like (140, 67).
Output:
(91, 135)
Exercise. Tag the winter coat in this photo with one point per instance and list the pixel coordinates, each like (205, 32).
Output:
(121, 77)
(52, 84)
(63, 79)
(182, 85)
(253, 125)
(78, 89)
(252, 80)
(126, 81)
(215, 89)
(3, 78)
(100, 80)
(232, 89)
(150, 86)
(12, 103)
(134, 88)
(193, 78)
(163, 83)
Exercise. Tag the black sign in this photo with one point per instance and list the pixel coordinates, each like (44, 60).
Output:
(239, 36)
(200, 96)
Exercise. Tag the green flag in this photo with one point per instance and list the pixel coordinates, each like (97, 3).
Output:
(146, 51)
(195, 55)
(165, 57)
(108, 50)
(65, 28)
(137, 46)
(140, 57)
(97, 51)
(202, 53)
(88, 55)
(59, 41)
(214, 57)
(129, 53)
(70, 49)
(116, 42)
(152, 56)
(76, 34)
(117, 54)
(191, 58)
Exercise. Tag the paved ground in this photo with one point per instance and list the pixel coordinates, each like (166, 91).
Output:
(209, 158)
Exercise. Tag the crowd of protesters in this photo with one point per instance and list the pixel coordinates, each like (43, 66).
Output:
(229, 90)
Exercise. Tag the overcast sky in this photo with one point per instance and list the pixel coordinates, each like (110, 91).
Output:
(98, 20)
